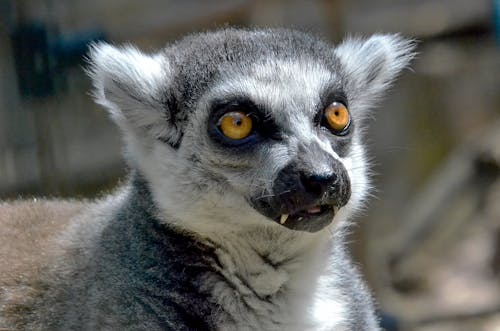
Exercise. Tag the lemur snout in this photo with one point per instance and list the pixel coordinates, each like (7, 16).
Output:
(317, 184)
(305, 195)
(307, 192)
(298, 187)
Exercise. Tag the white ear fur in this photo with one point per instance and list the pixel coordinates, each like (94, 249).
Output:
(133, 87)
(372, 64)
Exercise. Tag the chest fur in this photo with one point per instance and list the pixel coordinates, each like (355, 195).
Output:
(273, 290)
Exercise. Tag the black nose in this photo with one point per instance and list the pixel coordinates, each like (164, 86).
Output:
(317, 184)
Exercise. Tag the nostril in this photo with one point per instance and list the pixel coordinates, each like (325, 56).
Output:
(317, 184)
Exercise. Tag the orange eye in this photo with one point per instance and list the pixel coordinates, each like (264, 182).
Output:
(235, 125)
(337, 116)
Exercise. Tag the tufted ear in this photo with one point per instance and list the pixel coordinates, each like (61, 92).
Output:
(134, 88)
(370, 65)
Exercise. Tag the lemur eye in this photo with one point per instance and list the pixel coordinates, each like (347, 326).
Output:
(337, 117)
(235, 125)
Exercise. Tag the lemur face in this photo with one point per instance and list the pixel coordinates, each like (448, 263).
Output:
(250, 127)
(279, 133)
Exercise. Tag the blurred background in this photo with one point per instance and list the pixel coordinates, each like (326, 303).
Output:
(429, 243)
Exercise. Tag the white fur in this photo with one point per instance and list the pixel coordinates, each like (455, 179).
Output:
(328, 310)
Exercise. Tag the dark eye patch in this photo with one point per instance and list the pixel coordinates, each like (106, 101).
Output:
(341, 144)
(264, 127)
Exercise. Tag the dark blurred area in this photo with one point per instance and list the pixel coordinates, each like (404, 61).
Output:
(429, 243)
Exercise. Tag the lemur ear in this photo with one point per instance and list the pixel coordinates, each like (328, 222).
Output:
(370, 65)
(133, 87)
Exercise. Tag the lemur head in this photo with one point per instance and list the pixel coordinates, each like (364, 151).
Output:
(236, 128)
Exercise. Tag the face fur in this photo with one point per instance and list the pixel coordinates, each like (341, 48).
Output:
(239, 128)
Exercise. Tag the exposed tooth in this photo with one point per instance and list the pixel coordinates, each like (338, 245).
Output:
(283, 218)
(335, 210)
(301, 218)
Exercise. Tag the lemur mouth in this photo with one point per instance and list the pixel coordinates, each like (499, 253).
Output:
(311, 219)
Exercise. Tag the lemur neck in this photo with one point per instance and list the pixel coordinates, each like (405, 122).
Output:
(267, 262)
(261, 258)
(228, 223)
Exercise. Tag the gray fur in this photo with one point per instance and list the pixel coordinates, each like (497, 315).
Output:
(193, 241)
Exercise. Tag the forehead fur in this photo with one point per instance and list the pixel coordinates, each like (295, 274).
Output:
(202, 58)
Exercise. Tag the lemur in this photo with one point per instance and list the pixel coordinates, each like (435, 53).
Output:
(247, 166)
